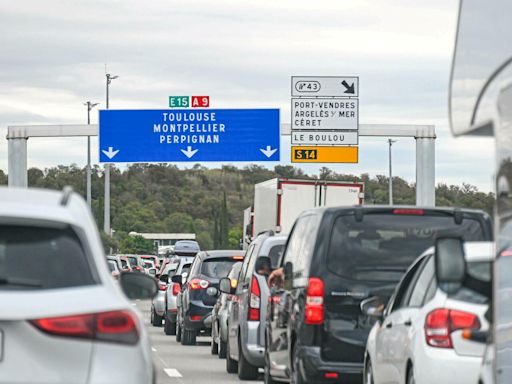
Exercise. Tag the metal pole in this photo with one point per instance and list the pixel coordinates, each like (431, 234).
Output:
(425, 171)
(106, 217)
(90, 106)
(390, 173)
(17, 156)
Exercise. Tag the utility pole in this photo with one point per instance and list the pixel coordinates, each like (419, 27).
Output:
(106, 217)
(390, 173)
(88, 169)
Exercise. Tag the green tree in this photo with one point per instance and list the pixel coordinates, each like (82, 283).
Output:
(136, 245)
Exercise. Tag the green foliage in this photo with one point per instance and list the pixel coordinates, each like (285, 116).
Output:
(136, 245)
(210, 202)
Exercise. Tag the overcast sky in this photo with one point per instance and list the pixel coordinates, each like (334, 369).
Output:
(242, 54)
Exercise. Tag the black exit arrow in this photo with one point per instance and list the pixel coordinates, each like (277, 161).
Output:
(349, 88)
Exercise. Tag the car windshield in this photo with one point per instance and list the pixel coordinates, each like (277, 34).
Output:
(217, 267)
(380, 247)
(42, 258)
(133, 261)
(275, 254)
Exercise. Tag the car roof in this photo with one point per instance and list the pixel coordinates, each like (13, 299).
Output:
(270, 242)
(474, 251)
(222, 253)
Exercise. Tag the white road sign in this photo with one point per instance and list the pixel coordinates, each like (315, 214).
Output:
(324, 138)
(323, 113)
(325, 86)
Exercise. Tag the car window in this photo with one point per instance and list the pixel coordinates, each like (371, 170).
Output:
(133, 261)
(275, 254)
(245, 265)
(42, 258)
(297, 235)
(431, 291)
(308, 244)
(421, 285)
(194, 268)
(217, 267)
(398, 299)
(112, 266)
(477, 285)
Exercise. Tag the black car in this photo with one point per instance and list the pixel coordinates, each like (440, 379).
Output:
(334, 259)
(199, 292)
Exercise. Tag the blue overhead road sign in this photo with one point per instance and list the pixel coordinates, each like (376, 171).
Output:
(140, 136)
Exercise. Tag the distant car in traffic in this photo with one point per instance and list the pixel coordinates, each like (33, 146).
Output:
(114, 269)
(334, 259)
(135, 263)
(247, 318)
(419, 337)
(220, 314)
(79, 326)
(199, 293)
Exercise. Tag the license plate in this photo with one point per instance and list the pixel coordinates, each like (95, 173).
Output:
(1, 345)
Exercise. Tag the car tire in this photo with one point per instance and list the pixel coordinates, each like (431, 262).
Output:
(246, 371)
(267, 377)
(368, 373)
(169, 327)
(410, 376)
(222, 349)
(178, 332)
(231, 365)
(156, 320)
(188, 337)
(214, 347)
(296, 377)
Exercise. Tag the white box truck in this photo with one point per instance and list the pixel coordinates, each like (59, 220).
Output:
(278, 202)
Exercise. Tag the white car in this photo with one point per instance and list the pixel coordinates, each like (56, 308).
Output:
(63, 319)
(419, 337)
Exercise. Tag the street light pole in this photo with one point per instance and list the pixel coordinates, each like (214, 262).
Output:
(88, 169)
(106, 217)
(390, 173)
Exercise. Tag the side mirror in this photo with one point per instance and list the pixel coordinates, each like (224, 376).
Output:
(177, 279)
(164, 278)
(263, 265)
(373, 306)
(225, 285)
(450, 264)
(138, 285)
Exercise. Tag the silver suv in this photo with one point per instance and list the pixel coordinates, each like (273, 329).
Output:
(246, 323)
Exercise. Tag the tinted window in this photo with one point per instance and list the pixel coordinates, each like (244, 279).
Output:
(398, 299)
(133, 261)
(42, 258)
(477, 286)
(112, 266)
(294, 246)
(275, 254)
(217, 267)
(382, 246)
(422, 283)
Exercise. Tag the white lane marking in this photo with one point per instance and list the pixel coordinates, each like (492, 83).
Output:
(171, 372)
(153, 349)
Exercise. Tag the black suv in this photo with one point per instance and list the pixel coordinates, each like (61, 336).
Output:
(199, 293)
(334, 259)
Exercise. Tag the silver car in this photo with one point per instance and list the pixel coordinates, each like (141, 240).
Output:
(246, 323)
(220, 314)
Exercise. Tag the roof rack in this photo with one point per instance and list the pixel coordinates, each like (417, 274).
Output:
(67, 191)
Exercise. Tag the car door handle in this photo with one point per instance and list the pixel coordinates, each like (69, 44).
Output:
(389, 325)
(408, 323)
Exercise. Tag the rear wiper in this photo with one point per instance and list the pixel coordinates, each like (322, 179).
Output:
(19, 282)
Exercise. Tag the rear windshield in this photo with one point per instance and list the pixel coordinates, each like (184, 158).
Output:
(275, 254)
(133, 261)
(477, 286)
(382, 246)
(217, 267)
(42, 258)
(112, 266)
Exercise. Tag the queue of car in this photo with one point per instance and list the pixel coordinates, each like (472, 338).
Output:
(356, 294)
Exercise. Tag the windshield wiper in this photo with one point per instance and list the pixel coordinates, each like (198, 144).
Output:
(20, 282)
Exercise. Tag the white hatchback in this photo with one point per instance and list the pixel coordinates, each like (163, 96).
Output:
(419, 338)
(63, 319)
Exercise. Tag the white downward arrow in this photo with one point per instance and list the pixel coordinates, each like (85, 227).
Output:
(110, 153)
(189, 152)
(269, 151)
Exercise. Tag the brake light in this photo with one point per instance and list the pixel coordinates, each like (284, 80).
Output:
(440, 324)
(238, 258)
(402, 211)
(314, 310)
(196, 284)
(195, 317)
(331, 375)
(176, 288)
(254, 301)
(115, 326)
(162, 286)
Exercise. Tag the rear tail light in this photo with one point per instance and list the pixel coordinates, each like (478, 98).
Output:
(440, 324)
(176, 288)
(162, 286)
(254, 301)
(418, 212)
(115, 326)
(331, 375)
(195, 317)
(314, 310)
(195, 284)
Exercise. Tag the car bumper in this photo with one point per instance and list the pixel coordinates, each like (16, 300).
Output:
(314, 369)
(205, 320)
(253, 351)
(438, 365)
(159, 303)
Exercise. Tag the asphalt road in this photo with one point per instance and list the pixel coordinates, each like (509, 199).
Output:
(176, 363)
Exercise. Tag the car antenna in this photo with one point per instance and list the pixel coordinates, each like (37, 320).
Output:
(67, 191)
